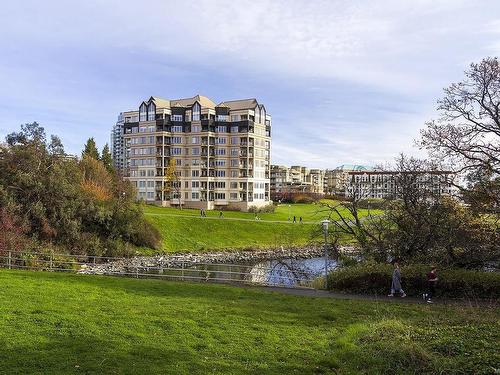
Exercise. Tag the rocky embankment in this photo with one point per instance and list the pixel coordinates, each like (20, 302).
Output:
(177, 260)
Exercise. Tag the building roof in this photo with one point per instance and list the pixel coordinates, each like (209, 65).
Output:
(186, 102)
(354, 167)
(236, 105)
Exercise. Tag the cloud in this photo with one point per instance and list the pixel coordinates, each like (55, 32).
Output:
(345, 81)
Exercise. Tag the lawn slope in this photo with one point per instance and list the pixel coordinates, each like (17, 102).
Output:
(57, 323)
(185, 231)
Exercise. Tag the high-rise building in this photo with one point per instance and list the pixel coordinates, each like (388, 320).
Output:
(195, 153)
(117, 145)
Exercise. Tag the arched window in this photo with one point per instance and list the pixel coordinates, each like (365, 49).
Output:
(257, 114)
(195, 115)
(143, 112)
(151, 111)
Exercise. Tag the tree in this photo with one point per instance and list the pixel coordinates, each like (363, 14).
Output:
(467, 133)
(172, 182)
(49, 199)
(90, 149)
(106, 158)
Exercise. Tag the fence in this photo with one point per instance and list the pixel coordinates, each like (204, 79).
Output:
(276, 273)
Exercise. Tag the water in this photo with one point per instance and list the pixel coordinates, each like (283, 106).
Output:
(282, 272)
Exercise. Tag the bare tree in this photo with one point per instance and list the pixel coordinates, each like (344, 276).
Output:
(467, 133)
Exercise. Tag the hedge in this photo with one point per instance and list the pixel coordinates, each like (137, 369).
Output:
(375, 278)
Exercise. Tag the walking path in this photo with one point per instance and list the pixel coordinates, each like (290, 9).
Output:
(233, 218)
(408, 300)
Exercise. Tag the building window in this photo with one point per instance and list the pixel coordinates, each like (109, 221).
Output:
(196, 112)
(235, 118)
(234, 185)
(220, 151)
(176, 151)
(220, 140)
(222, 118)
(176, 129)
(195, 173)
(195, 128)
(143, 112)
(178, 162)
(220, 195)
(234, 129)
(220, 173)
(235, 140)
(195, 195)
(176, 117)
(195, 151)
(176, 140)
(220, 163)
(151, 111)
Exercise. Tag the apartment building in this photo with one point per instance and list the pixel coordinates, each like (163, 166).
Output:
(295, 179)
(198, 154)
(335, 180)
(384, 184)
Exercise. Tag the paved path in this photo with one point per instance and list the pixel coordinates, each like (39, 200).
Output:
(234, 218)
(304, 292)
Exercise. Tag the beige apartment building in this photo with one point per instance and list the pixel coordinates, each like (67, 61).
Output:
(198, 154)
(335, 180)
(295, 179)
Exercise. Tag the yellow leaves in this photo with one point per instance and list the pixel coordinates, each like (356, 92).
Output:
(97, 181)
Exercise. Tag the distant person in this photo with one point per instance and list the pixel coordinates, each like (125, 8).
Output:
(431, 284)
(201, 212)
(300, 219)
(221, 215)
(396, 282)
(294, 219)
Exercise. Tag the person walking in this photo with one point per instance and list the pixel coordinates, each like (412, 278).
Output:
(220, 214)
(431, 284)
(294, 219)
(300, 219)
(396, 282)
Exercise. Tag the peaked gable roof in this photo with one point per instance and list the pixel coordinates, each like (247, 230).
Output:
(235, 105)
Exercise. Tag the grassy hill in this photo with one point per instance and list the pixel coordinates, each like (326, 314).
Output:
(76, 324)
(185, 231)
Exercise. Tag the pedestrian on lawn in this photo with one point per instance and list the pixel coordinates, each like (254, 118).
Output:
(396, 282)
(300, 219)
(221, 214)
(431, 284)
(294, 219)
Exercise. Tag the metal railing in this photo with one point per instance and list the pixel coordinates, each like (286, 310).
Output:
(173, 268)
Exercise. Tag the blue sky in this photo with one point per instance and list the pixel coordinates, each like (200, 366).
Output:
(345, 81)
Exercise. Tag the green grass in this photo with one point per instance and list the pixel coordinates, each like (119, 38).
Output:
(74, 324)
(184, 230)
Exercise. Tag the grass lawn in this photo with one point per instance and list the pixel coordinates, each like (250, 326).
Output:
(184, 231)
(57, 323)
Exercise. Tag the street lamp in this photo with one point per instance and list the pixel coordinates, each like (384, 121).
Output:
(324, 224)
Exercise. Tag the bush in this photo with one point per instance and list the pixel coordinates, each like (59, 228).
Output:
(270, 208)
(375, 278)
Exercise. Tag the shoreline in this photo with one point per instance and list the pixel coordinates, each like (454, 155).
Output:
(236, 257)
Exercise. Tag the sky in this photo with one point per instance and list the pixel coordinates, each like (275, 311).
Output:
(346, 82)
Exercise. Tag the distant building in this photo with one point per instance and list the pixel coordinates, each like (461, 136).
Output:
(335, 180)
(295, 179)
(384, 184)
(118, 146)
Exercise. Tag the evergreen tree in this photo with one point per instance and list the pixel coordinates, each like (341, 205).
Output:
(106, 158)
(90, 149)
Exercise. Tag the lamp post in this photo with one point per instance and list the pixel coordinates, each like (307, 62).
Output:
(324, 224)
